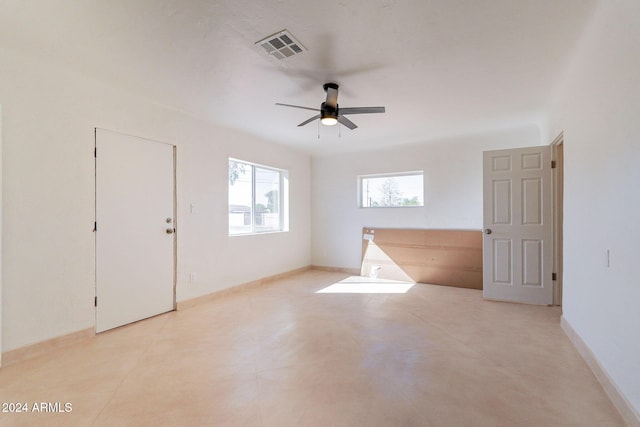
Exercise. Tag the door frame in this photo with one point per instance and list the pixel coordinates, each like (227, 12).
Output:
(1, 208)
(557, 183)
(95, 217)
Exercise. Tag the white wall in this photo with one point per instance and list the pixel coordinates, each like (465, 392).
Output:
(598, 108)
(452, 185)
(48, 256)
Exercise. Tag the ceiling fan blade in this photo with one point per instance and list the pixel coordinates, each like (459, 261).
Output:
(348, 123)
(361, 110)
(298, 106)
(309, 120)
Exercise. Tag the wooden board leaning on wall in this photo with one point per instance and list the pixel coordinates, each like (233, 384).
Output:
(440, 257)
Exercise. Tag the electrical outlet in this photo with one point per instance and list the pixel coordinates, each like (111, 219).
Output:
(192, 277)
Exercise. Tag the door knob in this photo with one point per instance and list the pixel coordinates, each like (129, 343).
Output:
(170, 230)
(487, 231)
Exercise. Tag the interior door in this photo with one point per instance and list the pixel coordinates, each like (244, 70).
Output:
(134, 229)
(517, 242)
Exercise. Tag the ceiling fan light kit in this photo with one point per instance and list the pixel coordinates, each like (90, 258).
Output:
(329, 121)
(331, 113)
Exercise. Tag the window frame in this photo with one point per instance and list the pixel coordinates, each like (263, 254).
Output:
(283, 198)
(362, 177)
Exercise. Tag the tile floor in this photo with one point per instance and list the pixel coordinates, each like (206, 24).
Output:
(284, 355)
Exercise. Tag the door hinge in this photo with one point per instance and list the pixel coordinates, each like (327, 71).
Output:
(95, 301)
(554, 276)
(553, 164)
(95, 152)
(95, 226)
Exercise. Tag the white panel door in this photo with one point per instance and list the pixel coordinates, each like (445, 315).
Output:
(517, 242)
(134, 229)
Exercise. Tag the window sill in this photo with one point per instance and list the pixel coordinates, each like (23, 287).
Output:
(258, 233)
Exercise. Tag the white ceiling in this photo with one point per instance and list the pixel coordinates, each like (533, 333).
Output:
(441, 67)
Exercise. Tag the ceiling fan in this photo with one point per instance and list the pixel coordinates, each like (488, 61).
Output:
(331, 113)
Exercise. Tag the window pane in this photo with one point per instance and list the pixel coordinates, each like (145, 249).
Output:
(258, 198)
(240, 197)
(267, 198)
(392, 190)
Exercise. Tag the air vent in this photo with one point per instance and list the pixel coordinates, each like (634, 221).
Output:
(281, 45)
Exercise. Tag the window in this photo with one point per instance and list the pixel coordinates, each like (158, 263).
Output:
(391, 190)
(258, 198)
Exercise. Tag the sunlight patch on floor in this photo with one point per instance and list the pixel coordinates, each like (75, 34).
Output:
(377, 263)
(367, 285)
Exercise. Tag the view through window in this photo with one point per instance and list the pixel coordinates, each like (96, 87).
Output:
(257, 196)
(403, 189)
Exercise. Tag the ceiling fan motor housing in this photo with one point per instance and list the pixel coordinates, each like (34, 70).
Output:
(328, 110)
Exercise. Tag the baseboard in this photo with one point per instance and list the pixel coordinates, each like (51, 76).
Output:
(353, 271)
(183, 305)
(34, 350)
(630, 415)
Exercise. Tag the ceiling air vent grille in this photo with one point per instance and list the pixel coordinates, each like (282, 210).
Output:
(281, 45)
